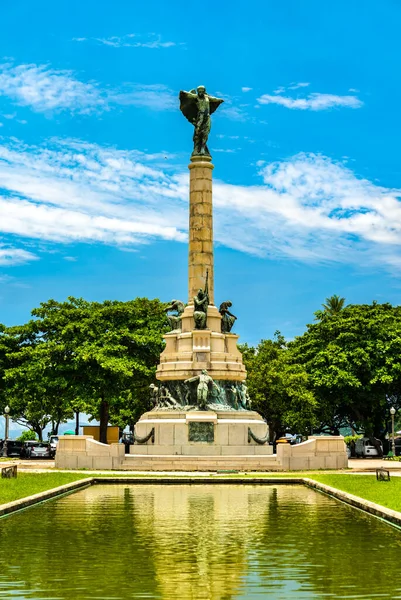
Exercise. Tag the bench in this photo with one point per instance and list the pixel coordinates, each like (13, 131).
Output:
(9, 472)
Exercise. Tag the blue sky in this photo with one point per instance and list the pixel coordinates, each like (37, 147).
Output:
(94, 153)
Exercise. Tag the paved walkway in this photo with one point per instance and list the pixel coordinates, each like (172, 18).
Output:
(356, 465)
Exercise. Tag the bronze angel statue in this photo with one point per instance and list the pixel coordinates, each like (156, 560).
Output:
(197, 106)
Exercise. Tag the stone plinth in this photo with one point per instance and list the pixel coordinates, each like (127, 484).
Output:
(201, 433)
(320, 452)
(187, 353)
(83, 452)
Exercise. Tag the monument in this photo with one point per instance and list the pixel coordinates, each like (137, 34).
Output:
(202, 418)
(201, 403)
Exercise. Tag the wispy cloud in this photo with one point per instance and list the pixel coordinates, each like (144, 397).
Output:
(10, 257)
(296, 86)
(235, 113)
(72, 191)
(314, 101)
(308, 207)
(154, 97)
(131, 40)
(45, 89)
(246, 89)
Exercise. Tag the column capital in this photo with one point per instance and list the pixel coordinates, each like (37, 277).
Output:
(204, 162)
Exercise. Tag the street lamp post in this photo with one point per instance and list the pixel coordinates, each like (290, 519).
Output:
(392, 412)
(6, 413)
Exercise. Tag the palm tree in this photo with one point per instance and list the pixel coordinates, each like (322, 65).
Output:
(333, 305)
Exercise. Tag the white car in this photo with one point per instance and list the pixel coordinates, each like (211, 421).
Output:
(53, 441)
(364, 448)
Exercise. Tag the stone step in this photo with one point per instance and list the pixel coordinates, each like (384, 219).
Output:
(164, 462)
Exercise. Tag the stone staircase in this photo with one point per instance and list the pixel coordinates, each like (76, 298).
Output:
(146, 462)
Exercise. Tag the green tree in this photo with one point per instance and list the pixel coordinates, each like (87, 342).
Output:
(333, 306)
(27, 436)
(36, 387)
(353, 359)
(279, 389)
(110, 351)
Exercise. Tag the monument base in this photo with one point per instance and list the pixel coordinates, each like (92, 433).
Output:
(201, 433)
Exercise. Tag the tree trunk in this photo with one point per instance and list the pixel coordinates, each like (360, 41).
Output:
(77, 422)
(39, 432)
(104, 419)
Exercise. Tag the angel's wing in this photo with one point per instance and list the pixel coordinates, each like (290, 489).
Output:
(214, 103)
(188, 106)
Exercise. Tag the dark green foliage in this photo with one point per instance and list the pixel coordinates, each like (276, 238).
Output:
(27, 435)
(77, 355)
(353, 359)
(279, 389)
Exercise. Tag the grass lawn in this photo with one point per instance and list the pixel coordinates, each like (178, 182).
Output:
(386, 493)
(27, 484)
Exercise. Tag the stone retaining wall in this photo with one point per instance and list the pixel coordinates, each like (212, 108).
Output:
(83, 452)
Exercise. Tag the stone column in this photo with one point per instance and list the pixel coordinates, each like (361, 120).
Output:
(200, 226)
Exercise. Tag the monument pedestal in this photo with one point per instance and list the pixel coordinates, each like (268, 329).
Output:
(190, 350)
(201, 433)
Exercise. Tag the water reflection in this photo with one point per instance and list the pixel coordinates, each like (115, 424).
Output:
(197, 542)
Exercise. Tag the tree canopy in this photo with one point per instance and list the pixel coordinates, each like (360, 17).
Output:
(279, 388)
(99, 356)
(353, 359)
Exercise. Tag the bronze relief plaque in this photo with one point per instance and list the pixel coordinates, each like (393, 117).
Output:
(201, 432)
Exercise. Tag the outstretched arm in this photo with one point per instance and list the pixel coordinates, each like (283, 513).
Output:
(191, 94)
(217, 100)
(192, 379)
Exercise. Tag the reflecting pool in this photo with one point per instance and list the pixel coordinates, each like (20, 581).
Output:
(197, 542)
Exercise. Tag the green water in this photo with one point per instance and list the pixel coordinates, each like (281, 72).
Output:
(196, 542)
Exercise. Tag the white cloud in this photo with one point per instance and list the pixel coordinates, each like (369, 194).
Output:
(312, 102)
(73, 191)
(14, 256)
(312, 208)
(131, 40)
(235, 113)
(45, 89)
(246, 89)
(308, 207)
(295, 86)
(154, 97)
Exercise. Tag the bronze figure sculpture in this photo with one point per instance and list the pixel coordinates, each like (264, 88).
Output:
(175, 319)
(202, 391)
(201, 302)
(227, 318)
(197, 106)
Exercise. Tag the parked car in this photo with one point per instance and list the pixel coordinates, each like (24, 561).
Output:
(53, 441)
(14, 448)
(34, 449)
(364, 448)
(290, 438)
